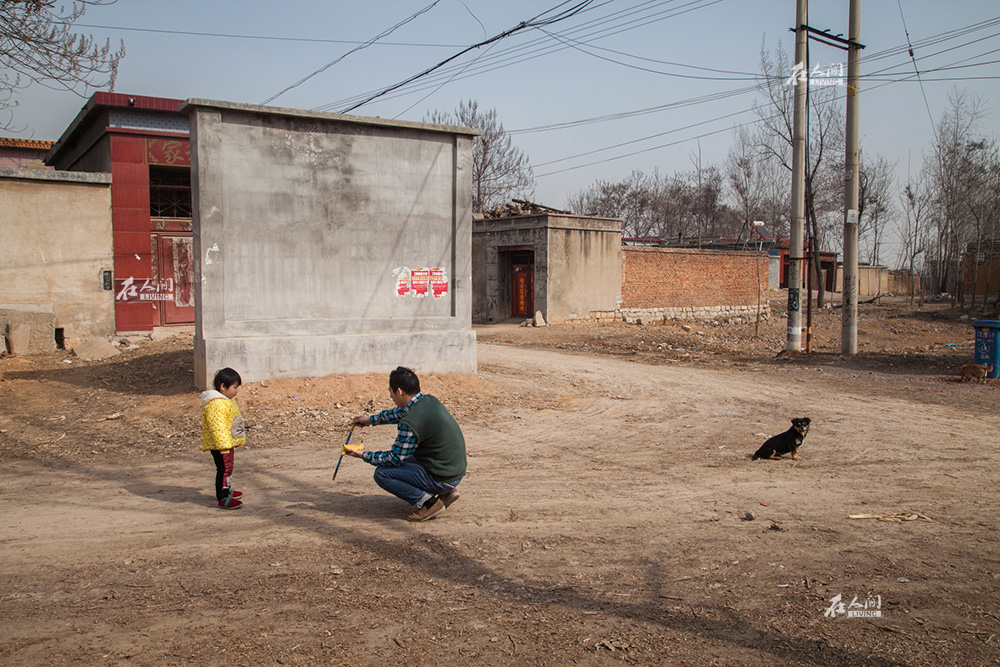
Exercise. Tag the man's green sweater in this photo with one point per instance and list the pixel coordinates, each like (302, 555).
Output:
(440, 444)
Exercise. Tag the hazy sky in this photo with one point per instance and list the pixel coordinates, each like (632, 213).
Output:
(612, 58)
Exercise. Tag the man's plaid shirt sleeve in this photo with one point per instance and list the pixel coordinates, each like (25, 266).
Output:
(406, 439)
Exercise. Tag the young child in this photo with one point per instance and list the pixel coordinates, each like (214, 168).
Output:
(222, 432)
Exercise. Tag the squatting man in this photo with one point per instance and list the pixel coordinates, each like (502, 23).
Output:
(427, 460)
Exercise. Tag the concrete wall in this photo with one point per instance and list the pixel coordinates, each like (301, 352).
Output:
(56, 243)
(874, 280)
(577, 265)
(305, 228)
(584, 267)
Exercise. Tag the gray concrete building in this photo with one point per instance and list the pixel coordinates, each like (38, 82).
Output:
(564, 266)
(328, 243)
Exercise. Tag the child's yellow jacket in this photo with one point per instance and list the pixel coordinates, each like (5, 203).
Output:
(221, 423)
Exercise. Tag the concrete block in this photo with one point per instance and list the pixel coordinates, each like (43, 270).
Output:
(19, 338)
(95, 349)
(261, 358)
(28, 327)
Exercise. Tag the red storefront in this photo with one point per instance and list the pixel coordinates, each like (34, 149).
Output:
(143, 143)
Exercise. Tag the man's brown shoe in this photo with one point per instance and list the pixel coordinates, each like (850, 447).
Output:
(449, 498)
(427, 511)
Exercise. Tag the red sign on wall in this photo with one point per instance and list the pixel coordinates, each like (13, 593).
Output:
(176, 152)
(421, 282)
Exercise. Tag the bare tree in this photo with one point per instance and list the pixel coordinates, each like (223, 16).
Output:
(685, 205)
(826, 139)
(950, 171)
(38, 45)
(632, 200)
(981, 197)
(876, 184)
(500, 171)
(744, 178)
(912, 227)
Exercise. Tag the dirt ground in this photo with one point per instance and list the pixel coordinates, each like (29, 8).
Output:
(611, 513)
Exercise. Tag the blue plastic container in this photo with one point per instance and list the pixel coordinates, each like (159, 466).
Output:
(988, 345)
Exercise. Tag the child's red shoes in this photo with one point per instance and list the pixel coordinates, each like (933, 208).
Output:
(230, 503)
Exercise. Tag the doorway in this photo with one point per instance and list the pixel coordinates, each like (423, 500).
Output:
(522, 269)
(173, 270)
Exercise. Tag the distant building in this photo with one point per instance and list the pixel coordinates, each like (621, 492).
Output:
(23, 153)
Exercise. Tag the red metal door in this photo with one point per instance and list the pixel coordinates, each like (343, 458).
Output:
(523, 292)
(176, 274)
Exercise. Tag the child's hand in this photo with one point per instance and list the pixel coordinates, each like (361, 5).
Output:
(361, 420)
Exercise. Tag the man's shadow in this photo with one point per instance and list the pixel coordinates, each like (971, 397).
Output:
(352, 505)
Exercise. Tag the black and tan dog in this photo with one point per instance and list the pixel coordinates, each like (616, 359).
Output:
(785, 443)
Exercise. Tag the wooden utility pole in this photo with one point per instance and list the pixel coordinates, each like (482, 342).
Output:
(800, 75)
(849, 315)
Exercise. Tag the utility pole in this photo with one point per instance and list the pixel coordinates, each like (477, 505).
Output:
(800, 75)
(849, 315)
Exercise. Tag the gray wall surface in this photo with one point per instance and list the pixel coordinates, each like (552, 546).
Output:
(584, 267)
(305, 227)
(56, 231)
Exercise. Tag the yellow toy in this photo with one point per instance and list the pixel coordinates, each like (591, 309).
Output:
(348, 447)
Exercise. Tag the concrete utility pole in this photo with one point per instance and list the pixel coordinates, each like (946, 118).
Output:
(800, 74)
(849, 316)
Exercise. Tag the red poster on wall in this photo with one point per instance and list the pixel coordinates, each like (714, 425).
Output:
(523, 292)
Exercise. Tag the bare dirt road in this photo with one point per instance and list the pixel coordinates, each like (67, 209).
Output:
(611, 514)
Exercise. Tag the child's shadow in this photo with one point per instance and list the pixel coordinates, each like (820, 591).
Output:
(171, 494)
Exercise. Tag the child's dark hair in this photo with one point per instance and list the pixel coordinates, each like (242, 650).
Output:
(227, 377)
(405, 379)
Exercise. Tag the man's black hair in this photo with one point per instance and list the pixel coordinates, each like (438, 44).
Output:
(405, 379)
(227, 377)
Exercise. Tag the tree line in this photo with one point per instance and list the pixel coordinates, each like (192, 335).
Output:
(933, 218)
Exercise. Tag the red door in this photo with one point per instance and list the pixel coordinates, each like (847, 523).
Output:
(523, 292)
(176, 274)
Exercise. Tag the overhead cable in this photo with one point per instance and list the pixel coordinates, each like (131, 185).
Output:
(371, 41)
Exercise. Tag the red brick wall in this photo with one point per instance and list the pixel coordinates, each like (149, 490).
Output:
(681, 278)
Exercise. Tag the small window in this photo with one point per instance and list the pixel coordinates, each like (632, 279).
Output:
(169, 192)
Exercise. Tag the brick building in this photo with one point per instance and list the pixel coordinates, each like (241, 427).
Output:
(576, 268)
(143, 143)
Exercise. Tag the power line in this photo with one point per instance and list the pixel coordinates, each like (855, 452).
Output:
(638, 112)
(535, 22)
(542, 46)
(574, 45)
(717, 96)
(224, 35)
(700, 136)
(371, 41)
